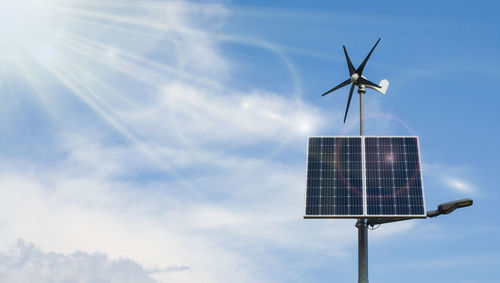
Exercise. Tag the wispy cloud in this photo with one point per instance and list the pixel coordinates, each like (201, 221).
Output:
(459, 185)
(453, 177)
(204, 116)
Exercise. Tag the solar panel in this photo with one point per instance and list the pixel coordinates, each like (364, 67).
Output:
(334, 176)
(358, 177)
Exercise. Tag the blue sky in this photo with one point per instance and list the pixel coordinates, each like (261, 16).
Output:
(156, 141)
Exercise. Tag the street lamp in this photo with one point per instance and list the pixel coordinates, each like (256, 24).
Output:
(444, 208)
(449, 207)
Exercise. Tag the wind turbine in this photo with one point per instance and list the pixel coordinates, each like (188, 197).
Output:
(357, 79)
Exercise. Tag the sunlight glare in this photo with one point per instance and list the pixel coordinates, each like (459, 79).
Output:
(304, 127)
(27, 25)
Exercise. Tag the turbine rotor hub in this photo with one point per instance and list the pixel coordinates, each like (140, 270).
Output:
(354, 77)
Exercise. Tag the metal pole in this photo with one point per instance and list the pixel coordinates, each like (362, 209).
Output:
(361, 224)
(362, 251)
(361, 91)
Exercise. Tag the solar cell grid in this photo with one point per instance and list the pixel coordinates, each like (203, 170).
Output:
(390, 168)
(393, 176)
(334, 184)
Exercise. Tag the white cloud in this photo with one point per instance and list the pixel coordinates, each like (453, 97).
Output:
(159, 225)
(24, 263)
(204, 116)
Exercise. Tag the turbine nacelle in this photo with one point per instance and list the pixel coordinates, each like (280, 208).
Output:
(356, 79)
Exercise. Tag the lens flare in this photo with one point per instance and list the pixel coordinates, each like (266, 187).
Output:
(390, 158)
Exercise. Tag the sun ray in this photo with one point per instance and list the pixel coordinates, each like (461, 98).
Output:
(139, 61)
(68, 74)
(124, 20)
(79, 57)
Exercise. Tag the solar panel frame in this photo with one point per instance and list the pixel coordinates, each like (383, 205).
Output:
(365, 213)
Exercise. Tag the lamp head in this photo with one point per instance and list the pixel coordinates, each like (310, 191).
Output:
(450, 206)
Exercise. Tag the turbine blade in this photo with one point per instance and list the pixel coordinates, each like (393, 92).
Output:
(343, 84)
(349, 63)
(363, 81)
(362, 66)
(348, 102)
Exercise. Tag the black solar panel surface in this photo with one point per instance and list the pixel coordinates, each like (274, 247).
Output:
(393, 178)
(334, 176)
(393, 183)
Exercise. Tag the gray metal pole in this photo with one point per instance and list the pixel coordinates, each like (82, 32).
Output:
(361, 224)
(362, 251)
(361, 91)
